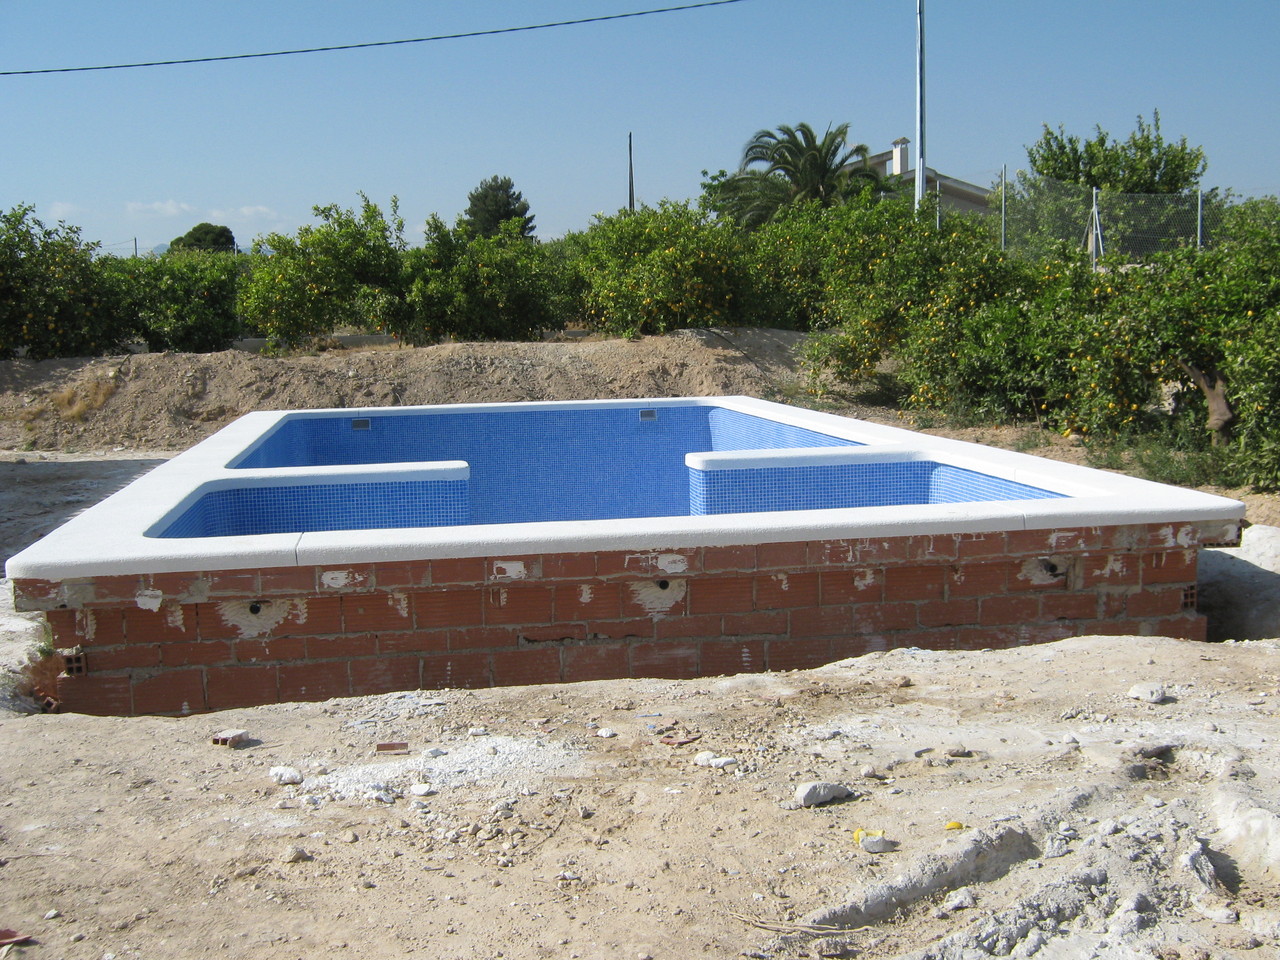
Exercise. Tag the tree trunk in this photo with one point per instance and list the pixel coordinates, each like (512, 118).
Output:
(1214, 389)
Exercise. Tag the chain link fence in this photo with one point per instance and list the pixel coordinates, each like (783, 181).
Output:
(1039, 215)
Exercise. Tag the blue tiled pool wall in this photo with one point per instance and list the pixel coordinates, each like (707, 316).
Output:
(350, 506)
(529, 465)
(848, 485)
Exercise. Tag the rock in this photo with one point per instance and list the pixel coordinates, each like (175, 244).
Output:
(816, 793)
(294, 855)
(53, 914)
(872, 843)
(421, 790)
(606, 734)
(477, 732)
(868, 772)
(434, 752)
(958, 750)
(349, 836)
(721, 763)
(1239, 587)
(1147, 692)
(704, 758)
(284, 775)
(962, 898)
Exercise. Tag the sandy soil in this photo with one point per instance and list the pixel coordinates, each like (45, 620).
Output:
(1085, 821)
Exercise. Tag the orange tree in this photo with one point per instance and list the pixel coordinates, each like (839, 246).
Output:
(54, 299)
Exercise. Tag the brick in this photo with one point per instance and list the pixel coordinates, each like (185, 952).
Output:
(757, 623)
(65, 627)
(821, 621)
(1071, 606)
(976, 579)
(994, 611)
(1020, 542)
(34, 594)
(170, 692)
(185, 653)
(183, 587)
(780, 590)
(456, 670)
(605, 661)
(517, 603)
(295, 581)
(569, 566)
(1155, 602)
(414, 641)
(482, 638)
(833, 553)
(102, 625)
(977, 545)
(721, 594)
(237, 583)
(123, 587)
(706, 625)
(314, 681)
(914, 583)
(799, 654)
(671, 659)
(874, 551)
(587, 601)
(460, 570)
(1186, 626)
(98, 696)
(125, 657)
(948, 613)
(1042, 572)
(1170, 566)
(650, 563)
(402, 574)
(171, 622)
(272, 650)
(528, 666)
(342, 646)
(740, 557)
(932, 548)
(719, 658)
(384, 674)
(782, 556)
(241, 686)
(313, 616)
(862, 585)
(374, 612)
(1113, 569)
(456, 607)
(844, 647)
(875, 618)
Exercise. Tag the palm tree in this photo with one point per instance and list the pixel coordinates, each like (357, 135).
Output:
(793, 164)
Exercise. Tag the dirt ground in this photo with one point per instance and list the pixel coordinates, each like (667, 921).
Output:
(1045, 801)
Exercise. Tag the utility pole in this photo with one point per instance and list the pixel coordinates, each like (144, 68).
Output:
(921, 167)
(631, 177)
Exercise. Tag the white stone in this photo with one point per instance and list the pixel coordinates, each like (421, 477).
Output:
(606, 733)
(1147, 692)
(719, 763)
(873, 844)
(421, 790)
(294, 855)
(817, 792)
(704, 758)
(283, 775)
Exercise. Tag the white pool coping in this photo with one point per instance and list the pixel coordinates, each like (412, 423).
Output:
(110, 538)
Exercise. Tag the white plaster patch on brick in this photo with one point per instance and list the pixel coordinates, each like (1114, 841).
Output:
(784, 581)
(173, 616)
(86, 624)
(656, 599)
(149, 599)
(745, 656)
(672, 562)
(339, 579)
(253, 618)
(840, 552)
(399, 601)
(1184, 537)
(509, 570)
(1114, 567)
(1036, 570)
(866, 578)
(500, 597)
(585, 593)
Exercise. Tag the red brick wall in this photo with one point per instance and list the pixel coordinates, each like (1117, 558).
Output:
(175, 643)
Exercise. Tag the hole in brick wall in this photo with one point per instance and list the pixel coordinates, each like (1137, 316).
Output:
(663, 584)
(1188, 598)
(255, 608)
(73, 663)
(1051, 566)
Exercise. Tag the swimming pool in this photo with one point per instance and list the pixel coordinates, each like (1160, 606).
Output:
(498, 543)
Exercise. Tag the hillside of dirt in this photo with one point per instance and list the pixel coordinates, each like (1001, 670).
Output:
(1102, 797)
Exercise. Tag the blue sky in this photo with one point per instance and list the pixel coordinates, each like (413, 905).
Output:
(255, 144)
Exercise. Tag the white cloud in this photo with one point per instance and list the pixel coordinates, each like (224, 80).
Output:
(245, 213)
(62, 210)
(162, 208)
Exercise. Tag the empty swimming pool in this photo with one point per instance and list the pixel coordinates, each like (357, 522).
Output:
(318, 553)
